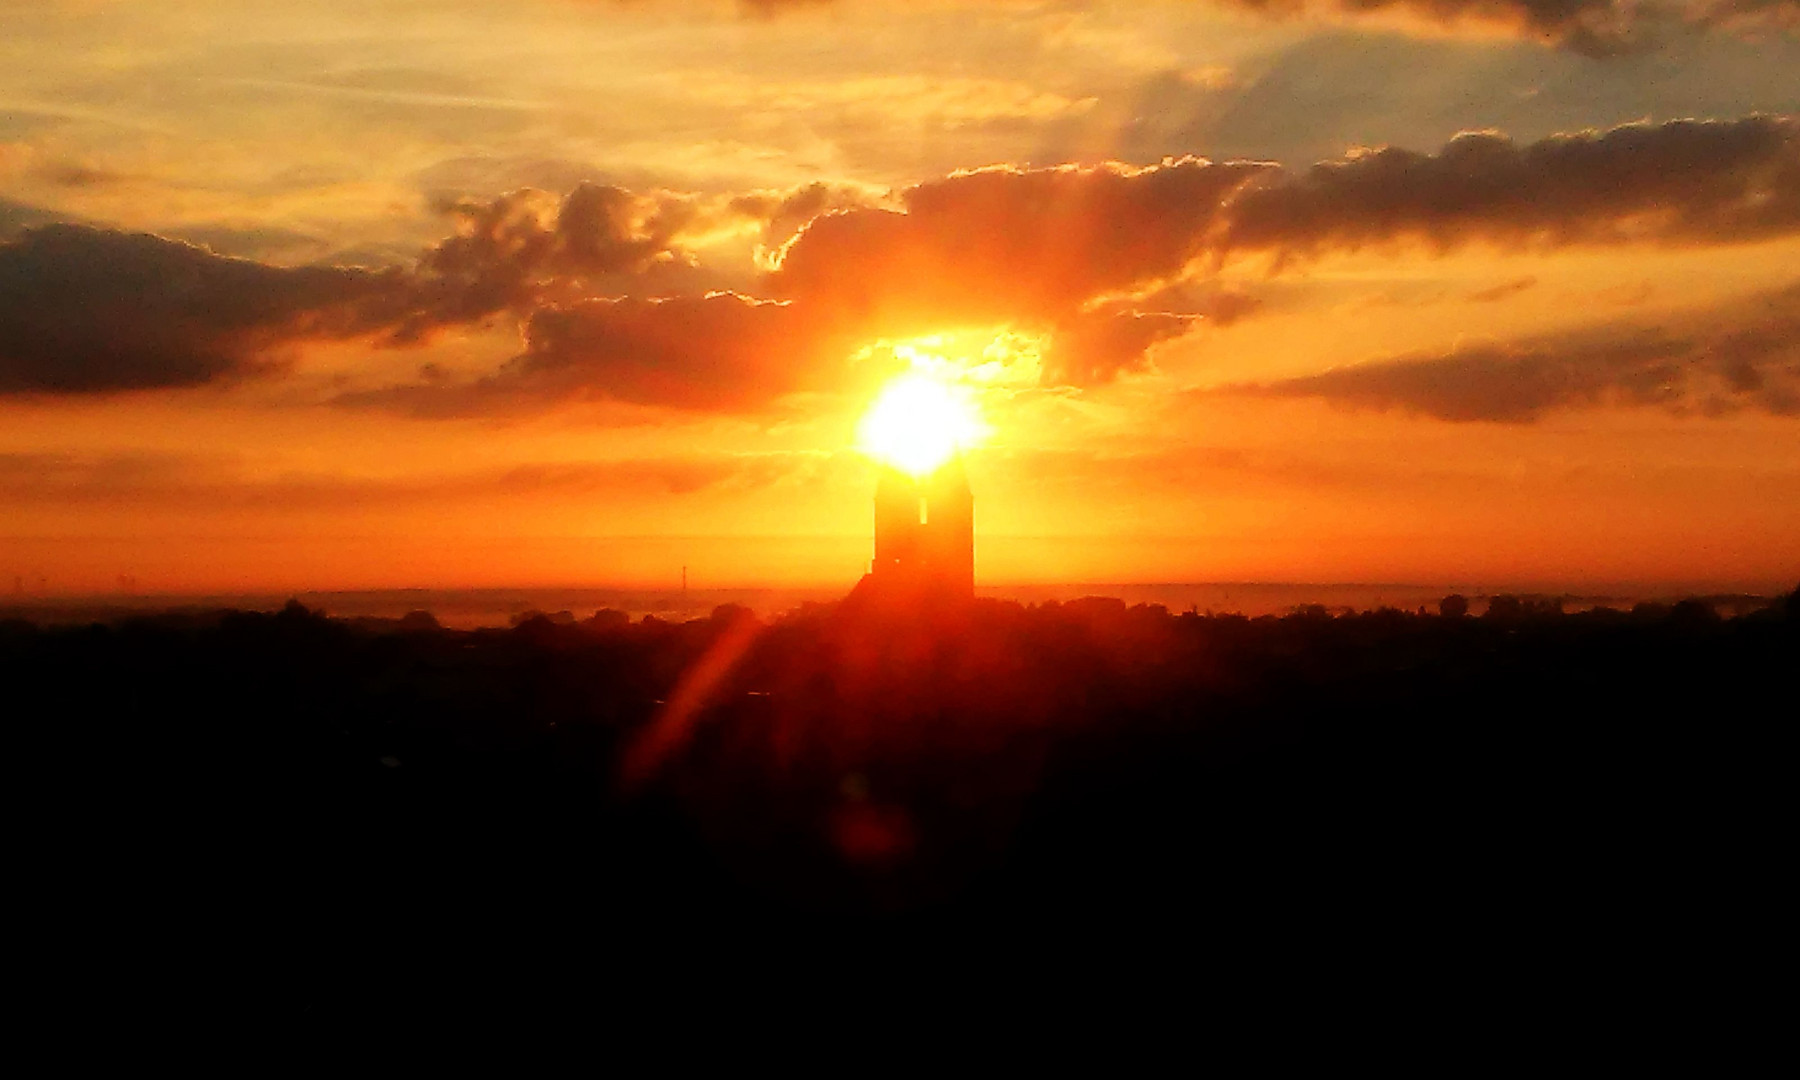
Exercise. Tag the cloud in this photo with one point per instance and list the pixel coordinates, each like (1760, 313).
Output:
(617, 301)
(214, 483)
(511, 252)
(1596, 28)
(1042, 247)
(1754, 16)
(1095, 347)
(85, 310)
(527, 249)
(1016, 246)
(1592, 27)
(1010, 243)
(1743, 356)
(722, 352)
(1678, 183)
(984, 248)
(779, 215)
(17, 217)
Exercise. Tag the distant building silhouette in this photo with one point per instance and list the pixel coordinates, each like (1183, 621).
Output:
(924, 535)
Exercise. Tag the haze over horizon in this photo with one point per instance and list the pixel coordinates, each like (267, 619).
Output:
(448, 293)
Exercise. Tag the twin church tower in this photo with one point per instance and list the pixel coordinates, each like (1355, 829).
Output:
(924, 535)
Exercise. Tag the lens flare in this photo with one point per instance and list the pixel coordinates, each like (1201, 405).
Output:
(918, 423)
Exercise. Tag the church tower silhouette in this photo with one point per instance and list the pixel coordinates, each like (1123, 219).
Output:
(924, 533)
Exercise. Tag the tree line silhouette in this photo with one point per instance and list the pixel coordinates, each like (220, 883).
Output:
(331, 798)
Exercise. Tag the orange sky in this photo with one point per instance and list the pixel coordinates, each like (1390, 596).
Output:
(444, 293)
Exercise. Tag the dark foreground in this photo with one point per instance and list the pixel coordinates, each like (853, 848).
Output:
(387, 816)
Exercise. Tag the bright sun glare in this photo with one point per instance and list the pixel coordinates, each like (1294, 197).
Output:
(918, 423)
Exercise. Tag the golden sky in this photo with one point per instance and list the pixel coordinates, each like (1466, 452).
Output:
(459, 292)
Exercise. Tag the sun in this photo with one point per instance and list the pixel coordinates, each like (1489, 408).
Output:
(918, 423)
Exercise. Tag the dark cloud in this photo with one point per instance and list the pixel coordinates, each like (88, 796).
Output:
(1683, 182)
(1597, 28)
(996, 246)
(1591, 27)
(1108, 260)
(1093, 348)
(716, 352)
(1005, 245)
(1042, 247)
(720, 351)
(86, 310)
(779, 215)
(1010, 243)
(1292, 106)
(525, 247)
(1747, 14)
(1744, 356)
(17, 217)
(1029, 247)
(1218, 304)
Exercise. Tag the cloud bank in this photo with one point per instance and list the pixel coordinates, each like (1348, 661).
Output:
(616, 300)
(1740, 357)
(720, 352)
(1685, 182)
(85, 310)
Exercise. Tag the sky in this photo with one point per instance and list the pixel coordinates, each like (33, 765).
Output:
(437, 293)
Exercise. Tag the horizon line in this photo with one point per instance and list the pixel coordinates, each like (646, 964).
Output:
(1592, 590)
